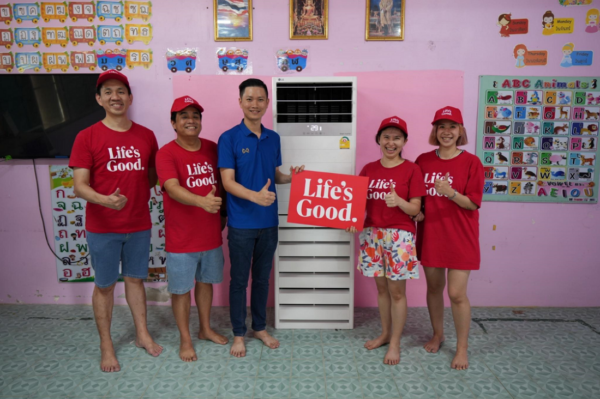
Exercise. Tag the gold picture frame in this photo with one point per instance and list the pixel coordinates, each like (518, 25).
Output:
(309, 19)
(232, 22)
(384, 20)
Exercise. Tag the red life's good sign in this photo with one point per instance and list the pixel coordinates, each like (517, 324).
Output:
(328, 200)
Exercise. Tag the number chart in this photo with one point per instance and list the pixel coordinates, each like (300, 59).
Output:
(537, 137)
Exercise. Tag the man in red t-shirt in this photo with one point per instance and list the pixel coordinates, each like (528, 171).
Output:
(187, 170)
(113, 163)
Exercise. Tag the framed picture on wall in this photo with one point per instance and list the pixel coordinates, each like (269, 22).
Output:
(309, 19)
(385, 20)
(233, 20)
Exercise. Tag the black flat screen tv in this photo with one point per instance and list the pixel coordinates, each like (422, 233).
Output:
(40, 114)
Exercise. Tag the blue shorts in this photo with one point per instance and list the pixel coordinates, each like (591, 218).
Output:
(206, 267)
(107, 250)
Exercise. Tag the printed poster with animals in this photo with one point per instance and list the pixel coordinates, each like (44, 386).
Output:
(537, 137)
(70, 244)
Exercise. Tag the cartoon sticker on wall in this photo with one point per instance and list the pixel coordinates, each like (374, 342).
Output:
(82, 34)
(6, 14)
(7, 61)
(181, 60)
(26, 12)
(141, 58)
(575, 58)
(109, 10)
(592, 18)
(7, 38)
(233, 60)
(29, 60)
(83, 59)
(111, 59)
(51, 11)
(509, 26)
(52, 61)
(292, 60)
(138, 10)
(28, 36)
(553, 26)
(82, 10)
(138, 33)
(567, 3)
(58, 36)
(527, 57)
(110, 34)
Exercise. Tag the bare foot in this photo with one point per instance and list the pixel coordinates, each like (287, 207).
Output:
(151, 347)
(238, 349)
(392, 356)
(461, 360)
(267, 339)
(108, 361)
(213, 336)
(187, 352)
(377, 342)
(434, 344)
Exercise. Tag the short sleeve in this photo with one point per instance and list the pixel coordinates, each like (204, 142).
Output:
(153, 150)
(225, 150)
(363, 172)
(416, 186)
(165, 166)
(81, 153)
(474, 187)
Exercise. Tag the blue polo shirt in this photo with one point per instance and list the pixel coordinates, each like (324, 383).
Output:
(254, 161)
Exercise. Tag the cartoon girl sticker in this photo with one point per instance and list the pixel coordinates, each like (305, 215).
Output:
(519, 53)
(567, 50)
(503, 21)
(591, 20)
(548, 23)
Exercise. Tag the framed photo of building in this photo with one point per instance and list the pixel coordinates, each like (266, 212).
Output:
(384, 20)
(309, 19)
(233, 20)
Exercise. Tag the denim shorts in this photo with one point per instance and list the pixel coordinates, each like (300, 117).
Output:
(206, 267)
(107, 250)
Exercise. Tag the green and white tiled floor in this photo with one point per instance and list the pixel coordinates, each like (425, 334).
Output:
(52, 352)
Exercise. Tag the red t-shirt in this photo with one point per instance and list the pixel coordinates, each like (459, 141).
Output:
(117, 160)
(190, 228)
(408, 180)
(449, 235)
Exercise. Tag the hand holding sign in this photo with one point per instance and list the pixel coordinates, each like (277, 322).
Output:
(296, 169)
(265, 197)
(443, 187)
(210, 203)
(391, 199)
(116, 200)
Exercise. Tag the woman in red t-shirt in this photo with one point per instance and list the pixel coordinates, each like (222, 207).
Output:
(448, 238)
(387, 248)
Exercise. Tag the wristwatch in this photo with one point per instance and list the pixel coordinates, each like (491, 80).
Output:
(454, 196)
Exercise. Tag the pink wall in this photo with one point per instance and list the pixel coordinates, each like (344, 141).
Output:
(545, 255)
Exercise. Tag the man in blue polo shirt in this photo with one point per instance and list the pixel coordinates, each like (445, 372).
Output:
(249, 160)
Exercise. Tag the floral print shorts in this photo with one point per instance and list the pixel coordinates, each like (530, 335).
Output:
(388, 252)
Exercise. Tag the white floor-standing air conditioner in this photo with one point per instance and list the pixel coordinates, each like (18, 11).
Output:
(314, 266)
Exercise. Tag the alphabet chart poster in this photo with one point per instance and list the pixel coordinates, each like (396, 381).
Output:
(537, 138)
(70, 244)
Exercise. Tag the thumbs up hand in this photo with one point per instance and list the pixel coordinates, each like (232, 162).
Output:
(392, 199)
(264, 197)
(116, 200)
(443, 187)
(210, 203)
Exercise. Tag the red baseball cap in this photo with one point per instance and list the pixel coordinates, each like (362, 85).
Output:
(393, 121)
(450, 113)
(182, 103)
(112, 74)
